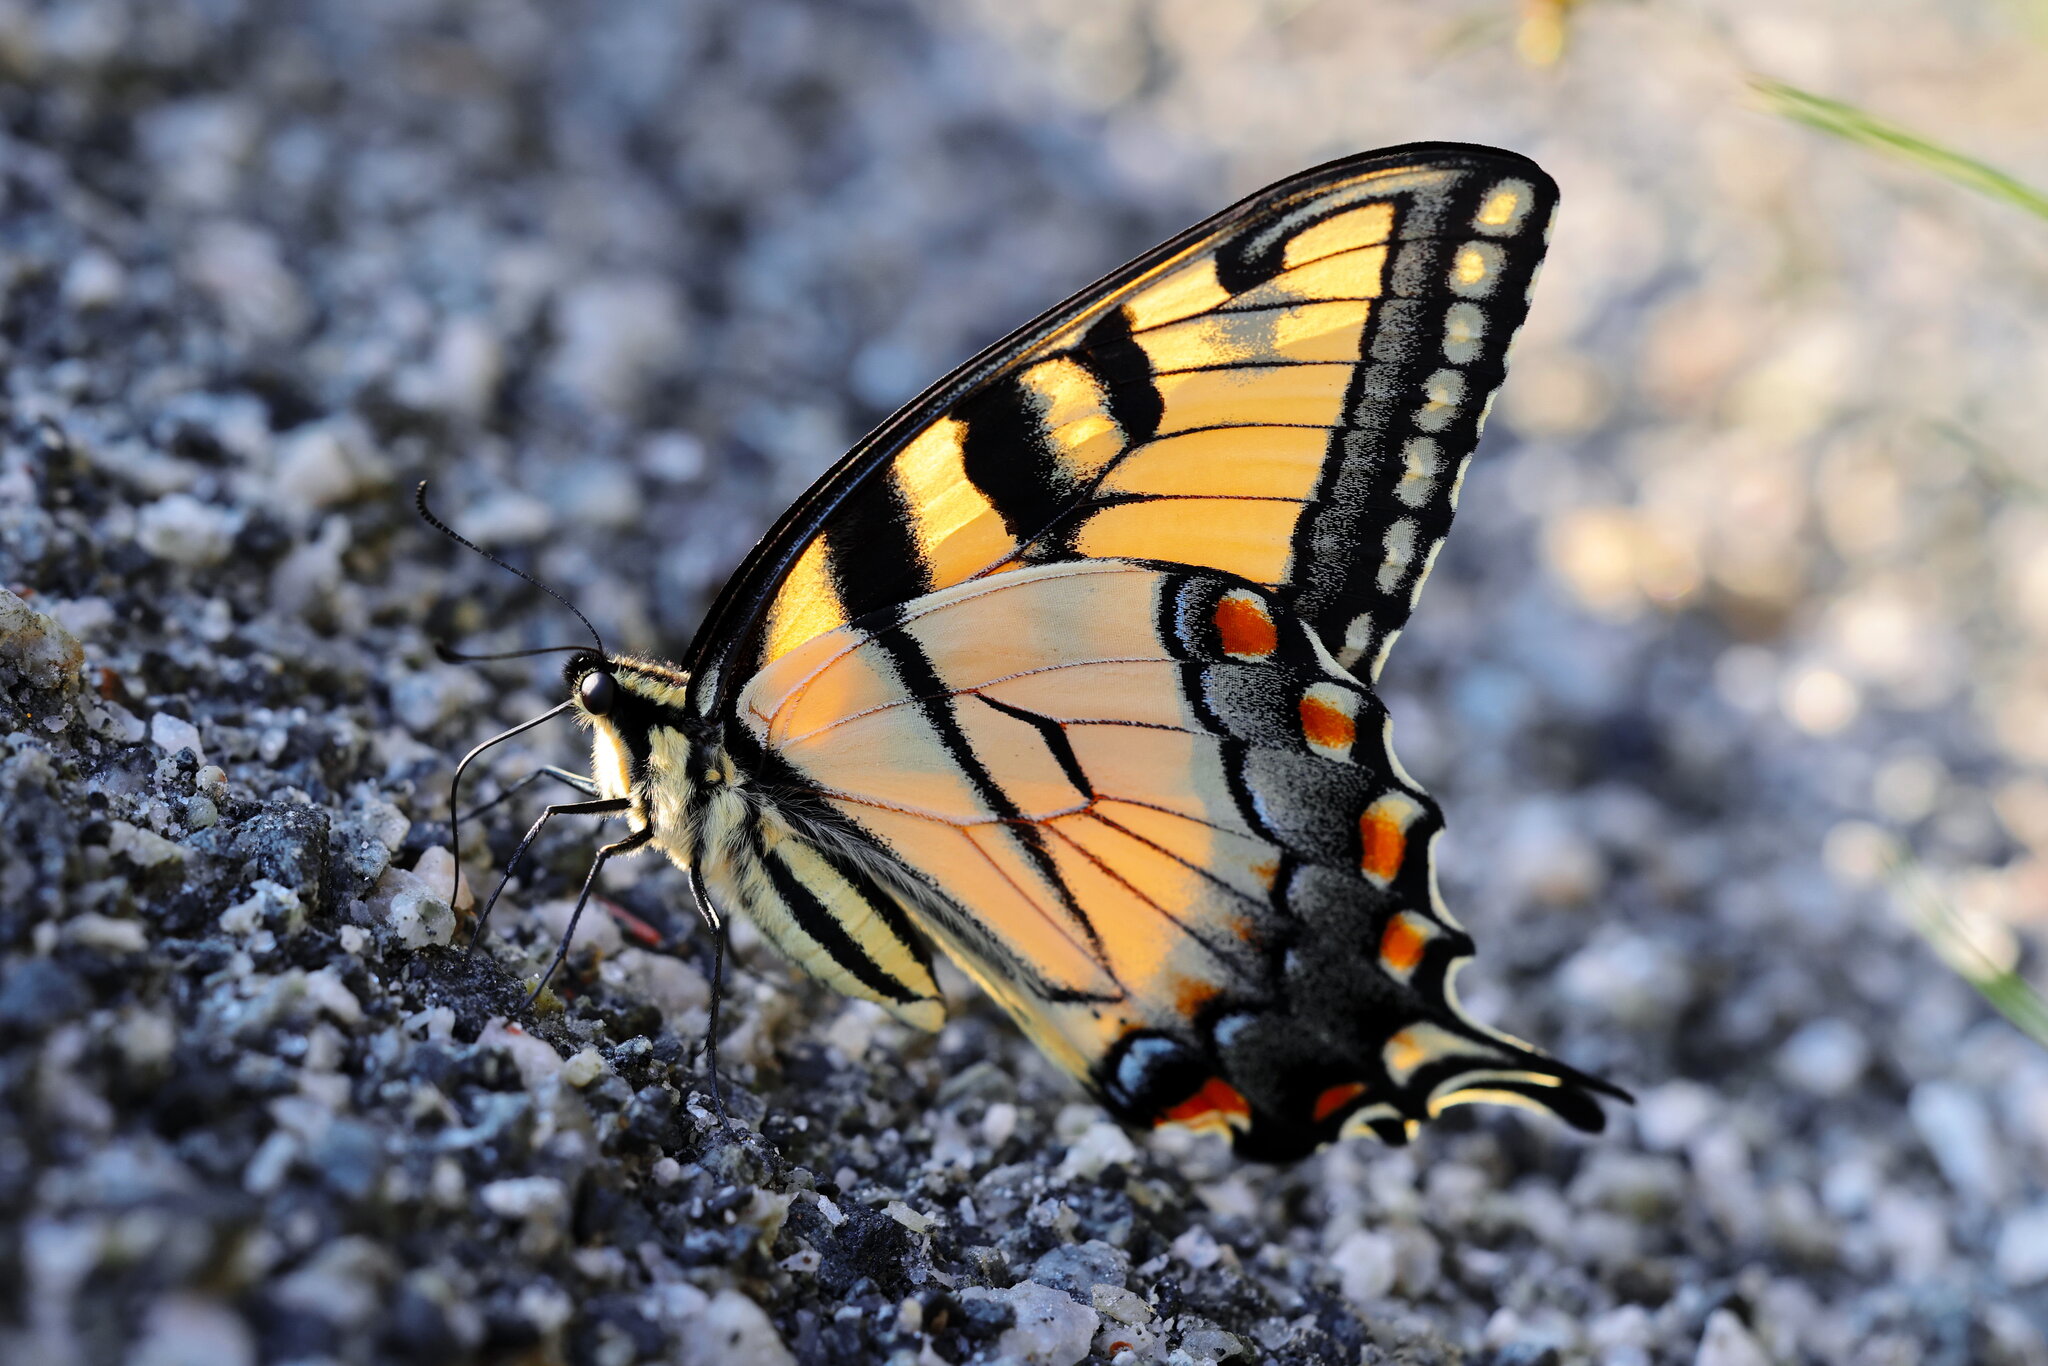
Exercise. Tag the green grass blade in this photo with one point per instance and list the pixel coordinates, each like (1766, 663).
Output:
(1998, 982)
(1851, 124)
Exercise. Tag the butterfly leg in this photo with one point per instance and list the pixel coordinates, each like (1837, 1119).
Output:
(716, 925)
(576, 780)
(610, 806)
(636, 840)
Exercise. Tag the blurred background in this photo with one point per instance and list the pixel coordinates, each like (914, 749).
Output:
(1733, 680)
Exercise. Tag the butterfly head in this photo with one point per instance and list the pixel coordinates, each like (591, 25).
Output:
(641, 730)
(592, 683)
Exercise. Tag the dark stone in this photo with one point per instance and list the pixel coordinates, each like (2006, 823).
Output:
(419, 1330)
(980, 1318)
(870, 1243)
(614, 1318)
(1525, 1354)
(39, 995)
(287, 844)
(349, 1158)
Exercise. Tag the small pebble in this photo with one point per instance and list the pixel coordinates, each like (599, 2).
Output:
(1727, 1343)
(584, 1067)
(1824, 1057)
(173, 734)
(93, 280)
(2021, 1258)
(1048, 1328)
(181, 529)
(1367, 1265)
(1956, 1125)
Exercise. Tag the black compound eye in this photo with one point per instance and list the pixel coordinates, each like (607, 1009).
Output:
(598, 691)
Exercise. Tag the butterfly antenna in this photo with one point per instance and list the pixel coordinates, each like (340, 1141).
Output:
(420, 498)
(449, 655)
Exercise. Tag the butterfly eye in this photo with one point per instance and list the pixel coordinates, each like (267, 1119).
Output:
(597, 692)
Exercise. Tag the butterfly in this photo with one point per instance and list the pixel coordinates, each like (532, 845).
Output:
(1067, 672)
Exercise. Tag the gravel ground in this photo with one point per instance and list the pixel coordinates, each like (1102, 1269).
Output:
(1748, 602)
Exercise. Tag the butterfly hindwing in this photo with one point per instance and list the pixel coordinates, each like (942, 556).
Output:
(1150, 813)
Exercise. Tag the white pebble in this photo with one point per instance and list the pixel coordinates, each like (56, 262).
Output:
(908, 1217)
(1669, 1116)
(1197, 1248)
(342, 1283)
(595, 930)
(437, 869)
(114, 721)
(731, 1330)
(412, 910)
(1824, 1057)
(585, 1067)
(998, 1123)
(461, 377)
(183, 530)
(384, 823)
(1103, 1145)
(1956, 1125)
(507, 517)
(311, 573)
(143, 848)
(325, 463)
(1727, 1343)
(535, 1059)
(1365, 1263)
(2022, 1257)
(326, 990)
(93, 280)
(617, 333)
(425, 699)
(523, 1197)
(242, 269)
(670, 985)
(193, 1330)
(37, 647)
(173, 733)
(1632, 979)
(673, 457)
(85, 618)
(1050, 1329)
(1119, 1305)
(268, 904)
(105, 933)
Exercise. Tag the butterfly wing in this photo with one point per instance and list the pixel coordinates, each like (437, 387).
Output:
(1288, 392)
(1148, 811)
(1066, 666)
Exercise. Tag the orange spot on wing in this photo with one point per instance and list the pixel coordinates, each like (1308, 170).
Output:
(1247, 630)
(1336, 1098)
(1189, 996)
(1326, 725)
(1402, 945)
(1216, 1098)
(1384, 844)
(1405, 1052)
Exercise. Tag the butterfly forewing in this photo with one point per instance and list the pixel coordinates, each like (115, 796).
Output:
(1288, 393)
